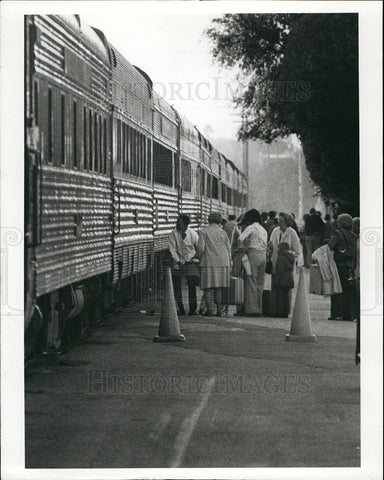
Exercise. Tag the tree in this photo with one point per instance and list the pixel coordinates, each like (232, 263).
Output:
(301, 72)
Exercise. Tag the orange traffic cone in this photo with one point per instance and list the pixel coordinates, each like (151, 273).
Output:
(169, 329)
(301, 328)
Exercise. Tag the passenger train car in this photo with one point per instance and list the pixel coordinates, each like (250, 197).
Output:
(109, 165)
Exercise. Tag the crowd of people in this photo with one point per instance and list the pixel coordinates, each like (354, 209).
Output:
(255, 245)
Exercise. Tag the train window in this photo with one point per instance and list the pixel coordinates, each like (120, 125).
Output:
(118, 146)
(63, 117)
(50, 126)
(124, 147)
(162, 165)
(85, 138)
(149, 155)
(134, 163)
(36, 101)
(186, 176)
(123, 144)
(139, 155)
(223, 193)
(105, 145)
(74, 137)
(90, 140)
(127, 150)
(202, 182)
(209, 185)
(102, 157)
(137, 160)
(101, 151)
(130, 158)
(96, 135)
(144, 159)
(215, 188)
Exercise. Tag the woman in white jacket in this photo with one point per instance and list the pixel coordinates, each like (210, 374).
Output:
(255, 239)
(284, 233)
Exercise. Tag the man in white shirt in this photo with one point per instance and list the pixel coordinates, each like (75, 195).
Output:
(182, 246)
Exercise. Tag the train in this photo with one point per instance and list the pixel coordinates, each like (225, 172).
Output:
(109, 165)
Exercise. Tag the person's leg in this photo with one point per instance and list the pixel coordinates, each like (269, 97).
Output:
(336, 306)
(192, 295)
(347, 297)
(260, 276)
(209, 301)
(308, 247)
(251, 306)
(176, 279)
(286, 306)
(218, 292)
(279, 302)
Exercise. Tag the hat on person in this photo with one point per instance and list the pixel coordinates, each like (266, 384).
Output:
(215, 217)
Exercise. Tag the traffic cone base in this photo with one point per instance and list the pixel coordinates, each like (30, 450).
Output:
(179, 338)
(169, 328)
(300, 338)
(301, 328)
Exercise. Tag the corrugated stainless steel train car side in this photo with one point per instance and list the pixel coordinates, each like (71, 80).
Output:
(109, 165)
(69, 223)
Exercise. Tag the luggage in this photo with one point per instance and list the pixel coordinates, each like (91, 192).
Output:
(315, 280)
(269, 303)
(236, 291)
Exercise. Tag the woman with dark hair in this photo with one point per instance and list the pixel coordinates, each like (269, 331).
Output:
(255, 239)
(214, 252)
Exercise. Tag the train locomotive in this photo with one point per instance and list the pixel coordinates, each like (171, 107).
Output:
(109, 165)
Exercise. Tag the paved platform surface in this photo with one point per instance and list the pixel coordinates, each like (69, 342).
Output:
(234, 394)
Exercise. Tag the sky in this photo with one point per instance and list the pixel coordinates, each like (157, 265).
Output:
(174, 52)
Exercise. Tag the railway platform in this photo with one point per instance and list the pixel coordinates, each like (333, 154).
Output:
(234, 394)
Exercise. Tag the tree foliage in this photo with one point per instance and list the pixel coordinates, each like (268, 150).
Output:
(301, 73)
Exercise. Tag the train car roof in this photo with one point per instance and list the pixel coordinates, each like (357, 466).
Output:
(187, 128)
(87, 33)
(130, 76)
(164, 107)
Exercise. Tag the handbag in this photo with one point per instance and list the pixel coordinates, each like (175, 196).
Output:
(192, 271)
(236, 291)
(315, 280)
(246, 264)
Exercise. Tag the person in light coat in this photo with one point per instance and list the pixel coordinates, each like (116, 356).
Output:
(214, 251)
(182, 246)
(284, 233)
(255, 239)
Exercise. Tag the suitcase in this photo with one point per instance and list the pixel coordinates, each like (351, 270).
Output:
(236, 291)
(269, 303)
(315, 280)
